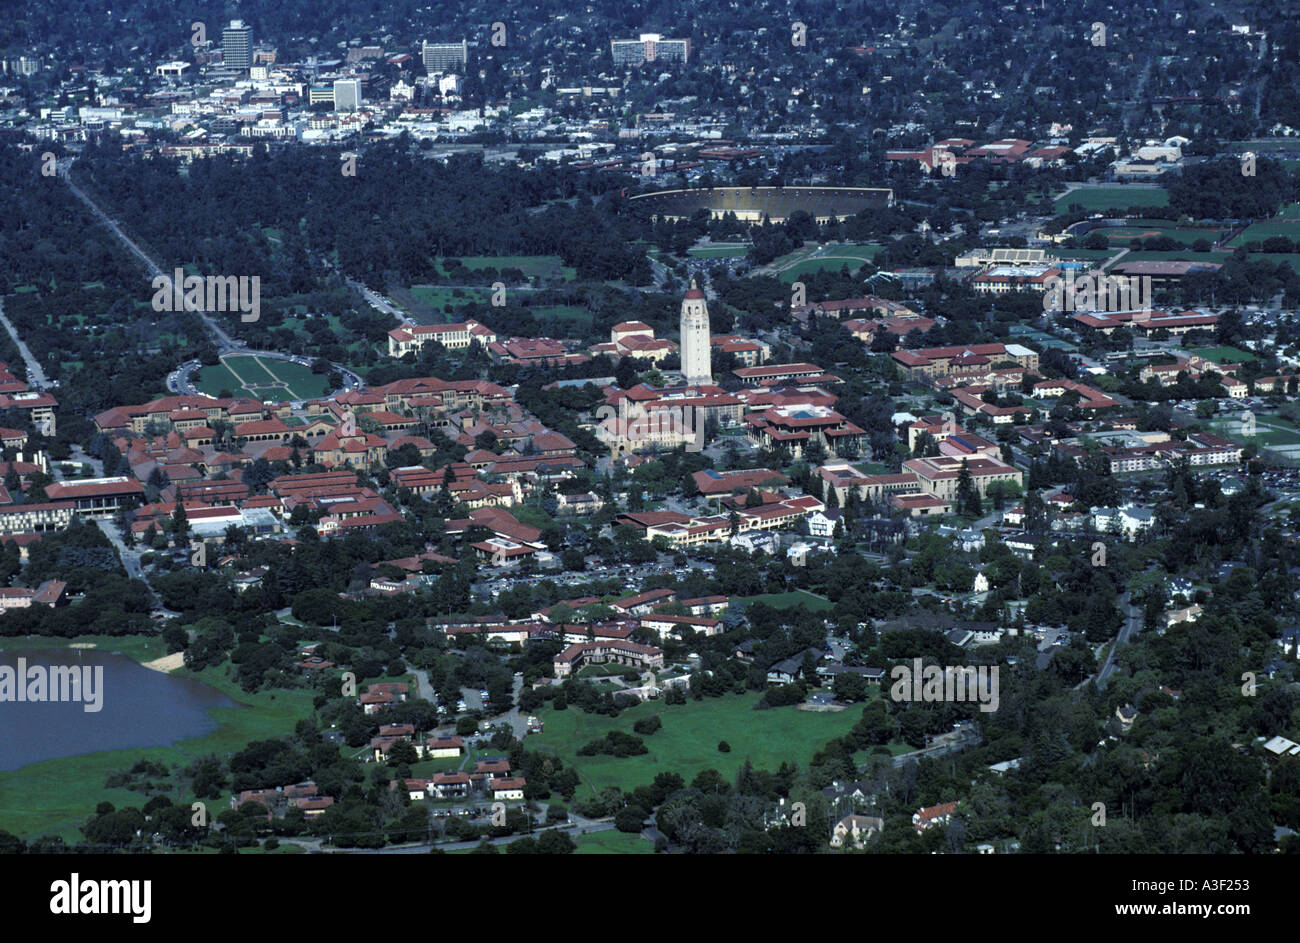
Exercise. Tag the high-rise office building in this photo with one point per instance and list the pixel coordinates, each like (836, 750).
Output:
(650, 47)
(237, 45)
(347, 94)
(696, 368)
(443, 57)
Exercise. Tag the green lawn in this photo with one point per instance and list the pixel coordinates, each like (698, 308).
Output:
(55, 797)
(719, 251)
(1224, 354)
(1087, 255)
(1289, 227)
(1151, 228)
(835, 257)
(798, 598)
(139, 647)
(688, 740)
(1098, 199)
(612, 843)
(262, 378)
(1174, 255)
(1269, 431)
(562, 312)
(533, 266)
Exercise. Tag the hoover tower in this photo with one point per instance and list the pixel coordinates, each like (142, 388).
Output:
(696, 368)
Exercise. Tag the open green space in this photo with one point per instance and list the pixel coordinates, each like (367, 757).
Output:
(1120, 197)
(262, 379)
(796, 599)
(1087, 255)
(1257, 232)
(1153, 228)
(833, 259)
(55, 797)
(575, 313)
(1224, 354)
(427, 303)
(1277, 258)
(688, 740)
(719, 251)
(533, 266)
(612, 843)
(1174, 255)
(1270, 431)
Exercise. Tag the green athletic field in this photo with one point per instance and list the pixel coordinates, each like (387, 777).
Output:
(262, 378)
(719, 251)
(1099, 199)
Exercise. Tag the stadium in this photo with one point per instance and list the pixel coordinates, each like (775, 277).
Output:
(751, 204)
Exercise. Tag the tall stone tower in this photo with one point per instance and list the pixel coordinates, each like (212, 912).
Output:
(695, 338)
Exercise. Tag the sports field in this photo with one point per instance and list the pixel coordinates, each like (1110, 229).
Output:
(1270, 432)
(1224, 354)
(717, 250)
(801, 262)
(796, 599)
(1288, 226)
(688, 741)
(262, 378)
(1153, 228)
(1097, 199)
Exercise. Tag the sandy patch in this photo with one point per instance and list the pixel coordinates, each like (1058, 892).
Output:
(167, 662)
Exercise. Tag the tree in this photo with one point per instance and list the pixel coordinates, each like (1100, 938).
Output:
(968, 496)
(180, 524)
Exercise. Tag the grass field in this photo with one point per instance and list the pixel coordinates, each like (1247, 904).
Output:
(1271, 432)
(55, 797)
(833, 259)
(533, 266)
(1290, 258)
(562, 313)
(1257, 232)
(1098, 199)
(1088, 255)
(796, 599)
(612, 843)
(1150, 229)
(1181, 255)
(1224, 354)
(262, 379)
(719, 251)
(688, 741)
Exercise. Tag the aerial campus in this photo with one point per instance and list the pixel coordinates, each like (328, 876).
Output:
(582, 429)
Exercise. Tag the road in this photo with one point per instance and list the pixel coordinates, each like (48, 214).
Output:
(944, 743)
(579, 826)
(1132, 625)
(35, 375)
(130, 558)
(224, 342)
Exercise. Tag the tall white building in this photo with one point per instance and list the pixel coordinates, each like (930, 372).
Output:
(695, 338)
(347, 94)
